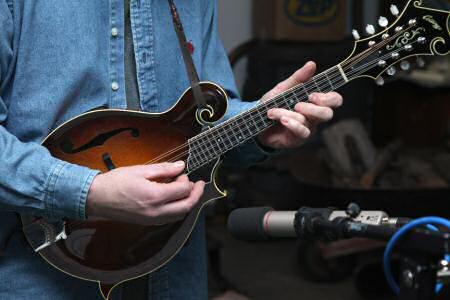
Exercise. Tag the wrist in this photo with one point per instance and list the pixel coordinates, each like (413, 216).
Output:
(95, 190)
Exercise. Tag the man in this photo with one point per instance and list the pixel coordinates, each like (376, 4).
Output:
(59, 59)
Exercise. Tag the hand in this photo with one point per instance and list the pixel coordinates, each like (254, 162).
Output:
(129, 194)
(296, 126)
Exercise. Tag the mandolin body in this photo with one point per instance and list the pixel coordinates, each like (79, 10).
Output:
(111, 252)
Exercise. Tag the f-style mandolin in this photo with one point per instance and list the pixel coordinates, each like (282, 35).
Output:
(110, 252)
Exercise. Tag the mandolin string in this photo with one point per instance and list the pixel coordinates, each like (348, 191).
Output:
(180, 148)
(306, 85)
(78, 224)
(288, 99)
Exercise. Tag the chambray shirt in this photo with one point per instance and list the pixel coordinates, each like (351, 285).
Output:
(61, 58)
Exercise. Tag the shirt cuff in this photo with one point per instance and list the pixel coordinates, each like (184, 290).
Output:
(67, 191)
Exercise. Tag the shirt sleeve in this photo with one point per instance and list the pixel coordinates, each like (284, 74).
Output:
(216, 68)
(31, 180)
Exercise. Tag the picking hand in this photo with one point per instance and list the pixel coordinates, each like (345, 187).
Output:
(131, 195)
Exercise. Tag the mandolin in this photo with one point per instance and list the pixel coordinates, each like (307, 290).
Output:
(110, 252)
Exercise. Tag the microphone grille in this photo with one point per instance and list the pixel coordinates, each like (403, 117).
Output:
(248, 223)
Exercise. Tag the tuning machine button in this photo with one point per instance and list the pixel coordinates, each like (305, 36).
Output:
(380, 81)
(391, 71)
(420, 62)
(356, 35)
(394, 10)
(370, 29)
(405, 65)
(383, 22)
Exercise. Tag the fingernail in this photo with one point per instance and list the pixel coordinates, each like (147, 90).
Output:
(270, 114)
(285, 120)
(179, 164)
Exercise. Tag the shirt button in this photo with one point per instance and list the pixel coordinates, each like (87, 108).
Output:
(114, 31)
(114, 86)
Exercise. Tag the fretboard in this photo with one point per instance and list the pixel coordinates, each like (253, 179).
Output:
(214, 142)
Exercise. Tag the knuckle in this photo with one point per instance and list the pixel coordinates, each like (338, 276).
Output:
(156, 194)
(329, 113)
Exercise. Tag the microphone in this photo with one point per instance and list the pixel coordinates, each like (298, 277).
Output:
(263, 223)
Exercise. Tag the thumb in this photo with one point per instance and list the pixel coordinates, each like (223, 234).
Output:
(164, 170)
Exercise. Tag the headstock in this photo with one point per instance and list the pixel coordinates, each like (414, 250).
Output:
(417, 31)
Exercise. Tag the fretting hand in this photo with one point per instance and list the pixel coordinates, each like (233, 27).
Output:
(296, 126)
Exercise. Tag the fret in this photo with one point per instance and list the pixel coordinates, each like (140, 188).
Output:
(291, 100)
(241, 135)
(258, 112)
(314, 81)
(329, 81)
(326, 87)
(192, 155)
(304, 90)
(198, 151)
(254, 124)
(250, 133)
(222, 137)
(215, 140)
(208, 139)
(226, 136)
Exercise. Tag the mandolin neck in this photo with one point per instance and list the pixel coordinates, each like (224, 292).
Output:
(211, 144)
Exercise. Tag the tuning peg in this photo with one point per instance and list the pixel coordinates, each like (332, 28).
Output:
(380, 81)
(356, 35)
(383, 22)
(371, 43)
(391, 71)
(395, 55)
(394, 10)
(408, 47)
(421, 40)
(405, 65)
(420, 62)
(370, 29)
(382, 63)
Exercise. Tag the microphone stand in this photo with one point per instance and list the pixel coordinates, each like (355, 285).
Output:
(421, 251)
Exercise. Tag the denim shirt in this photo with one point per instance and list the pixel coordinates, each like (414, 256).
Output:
(59, 59)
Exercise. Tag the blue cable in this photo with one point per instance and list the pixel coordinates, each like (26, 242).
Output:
(430, 222)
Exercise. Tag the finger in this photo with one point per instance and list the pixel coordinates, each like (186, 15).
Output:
(163, 170)
(333, 100)
(296, 128)
(182, 207)
(173, 191)
(277, 113)
(301, 75)
(314, 112)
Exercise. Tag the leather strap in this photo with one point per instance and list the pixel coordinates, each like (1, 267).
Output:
(187, 57)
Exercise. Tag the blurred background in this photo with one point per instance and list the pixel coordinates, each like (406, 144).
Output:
(405, 122)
